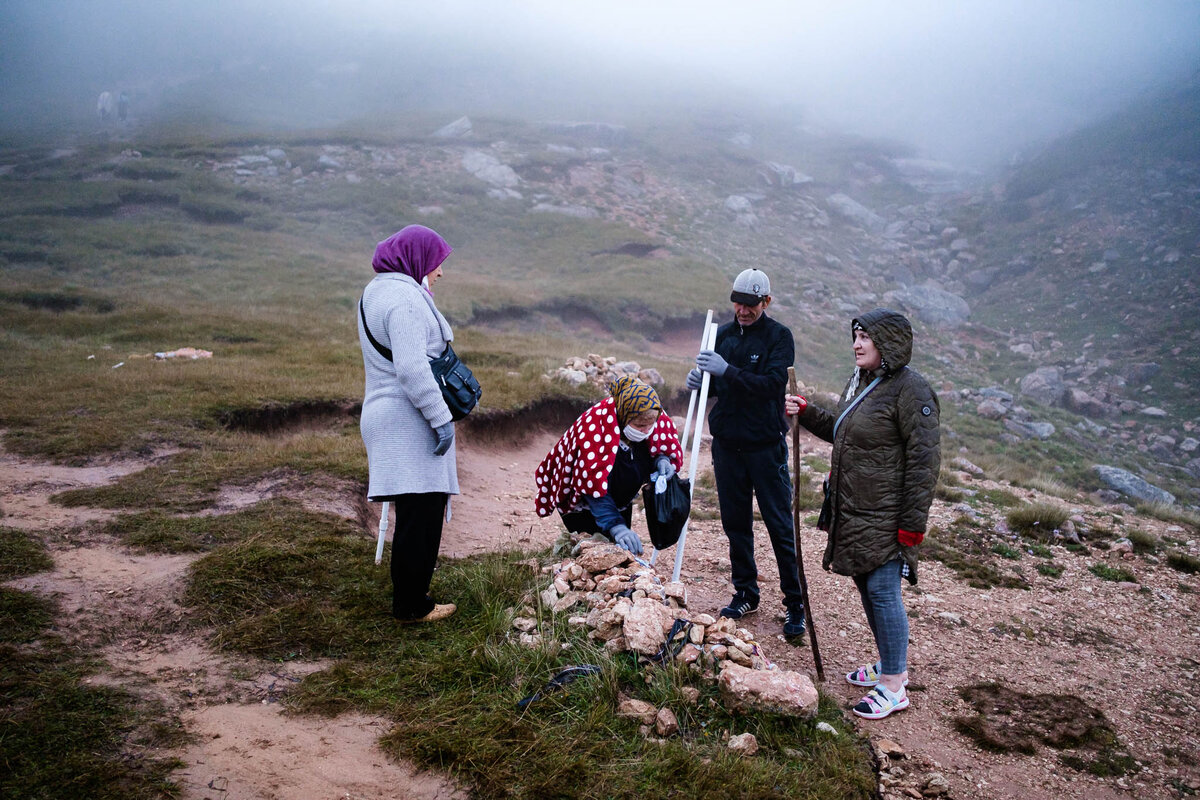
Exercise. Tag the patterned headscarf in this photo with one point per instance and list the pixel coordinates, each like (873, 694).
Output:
(414, 251)
(632, 397)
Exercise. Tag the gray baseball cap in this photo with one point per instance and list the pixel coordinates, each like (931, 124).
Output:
(750, 287)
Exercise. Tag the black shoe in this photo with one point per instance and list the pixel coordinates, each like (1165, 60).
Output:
(739, 607)
(793, 623)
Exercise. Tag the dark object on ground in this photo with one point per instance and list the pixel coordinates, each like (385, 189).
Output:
(559, 681)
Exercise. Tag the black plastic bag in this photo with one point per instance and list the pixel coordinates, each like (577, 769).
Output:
(666, 512)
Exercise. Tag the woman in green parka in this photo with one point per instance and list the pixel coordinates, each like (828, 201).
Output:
(883, 471)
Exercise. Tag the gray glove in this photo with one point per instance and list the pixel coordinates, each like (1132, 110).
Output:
(710, 361)
(662, 466)
(626, 538)
(445, 438)
(693, 379)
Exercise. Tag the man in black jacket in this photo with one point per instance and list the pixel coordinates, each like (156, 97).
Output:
(749, 449)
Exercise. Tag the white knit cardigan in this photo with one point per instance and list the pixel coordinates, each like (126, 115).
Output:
(402, 403)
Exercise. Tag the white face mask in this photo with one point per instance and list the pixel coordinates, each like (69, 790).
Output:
(635, 435)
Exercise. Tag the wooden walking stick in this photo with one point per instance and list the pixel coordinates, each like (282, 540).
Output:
(812, 628)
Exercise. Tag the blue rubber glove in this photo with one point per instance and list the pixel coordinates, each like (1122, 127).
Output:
(626, 538)
(662, 466)
(445, 438)
(711, 362)
(693, 379)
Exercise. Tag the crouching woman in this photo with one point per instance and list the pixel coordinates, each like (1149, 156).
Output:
(594, 472)
(883, 471)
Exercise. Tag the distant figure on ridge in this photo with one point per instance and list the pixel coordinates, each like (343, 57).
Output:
(595, 470)
(882, 476)
(104, 106)
(749, 447)
(406, 424)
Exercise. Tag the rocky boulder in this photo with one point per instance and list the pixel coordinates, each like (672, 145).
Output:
(776, 691)
(488, 169)
(1044, 385)
(855, 212)
(646, 625)
(1132, 486)
(458, 129)
(932, 304)
(1030, 430)
(1079, 401)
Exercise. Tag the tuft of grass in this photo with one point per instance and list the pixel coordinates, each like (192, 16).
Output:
(1049, 570)
(1108, 573)
(811, 495)
(1041, 551)
(1037, 520)
(1183, 562)
(964, 548)
(302, 585)
(1171, 513)
(949, 494)
(157, 532)
(23, 615)
(1050, 485)
(21, 554)
(1143, 542)
(1006, 551)
(1000, 498)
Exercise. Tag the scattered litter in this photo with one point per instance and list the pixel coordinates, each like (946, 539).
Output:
(121, 364)
(185, 352)
(89, 358)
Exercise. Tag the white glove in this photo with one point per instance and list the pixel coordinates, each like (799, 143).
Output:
(694, 378)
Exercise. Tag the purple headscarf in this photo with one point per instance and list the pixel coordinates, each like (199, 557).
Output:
(414, 251)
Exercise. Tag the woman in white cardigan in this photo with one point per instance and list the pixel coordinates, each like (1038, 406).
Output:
(405, 423)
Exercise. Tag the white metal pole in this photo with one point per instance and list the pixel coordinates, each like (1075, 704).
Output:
(709, 343)
(687, 424)
(383, 526)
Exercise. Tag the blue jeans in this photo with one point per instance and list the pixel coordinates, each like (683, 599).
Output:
(880, 592)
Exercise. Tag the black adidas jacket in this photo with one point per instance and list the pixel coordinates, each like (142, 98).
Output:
(749, 408)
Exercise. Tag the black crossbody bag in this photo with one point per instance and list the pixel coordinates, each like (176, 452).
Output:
(460, 389)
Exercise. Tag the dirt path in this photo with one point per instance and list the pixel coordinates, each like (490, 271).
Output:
(1129, 649)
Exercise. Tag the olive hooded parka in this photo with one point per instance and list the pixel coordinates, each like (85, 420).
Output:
(886, 457)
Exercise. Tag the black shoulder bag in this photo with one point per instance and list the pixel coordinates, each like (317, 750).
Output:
(459, 388)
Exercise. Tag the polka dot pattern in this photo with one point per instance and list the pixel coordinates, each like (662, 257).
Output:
(579, 463)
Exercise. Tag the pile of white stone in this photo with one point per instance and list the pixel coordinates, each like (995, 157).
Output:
(624, 603)
(602, 370)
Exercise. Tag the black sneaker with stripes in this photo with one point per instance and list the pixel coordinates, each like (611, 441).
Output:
(739, 607)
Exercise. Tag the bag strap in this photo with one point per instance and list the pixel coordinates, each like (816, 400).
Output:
(857, 400)
(383, 351)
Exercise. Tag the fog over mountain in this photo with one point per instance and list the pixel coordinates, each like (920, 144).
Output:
(966, 82)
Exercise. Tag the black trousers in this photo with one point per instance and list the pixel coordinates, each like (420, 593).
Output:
(415, 544)
(740, 475)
